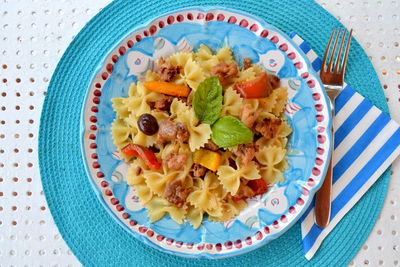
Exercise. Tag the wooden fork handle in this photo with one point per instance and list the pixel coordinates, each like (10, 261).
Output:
(323, 199)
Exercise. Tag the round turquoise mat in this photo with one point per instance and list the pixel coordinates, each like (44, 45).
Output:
(91, 233)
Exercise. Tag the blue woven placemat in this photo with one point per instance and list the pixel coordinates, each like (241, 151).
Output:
(85, 225)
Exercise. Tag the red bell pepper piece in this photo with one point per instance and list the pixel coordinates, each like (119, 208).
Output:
(257, 88)
(259, 186)
(144, 153)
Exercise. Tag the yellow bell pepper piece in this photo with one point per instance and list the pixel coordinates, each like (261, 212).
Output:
(207, 158)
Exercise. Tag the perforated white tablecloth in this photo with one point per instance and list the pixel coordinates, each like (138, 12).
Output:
(33, 36)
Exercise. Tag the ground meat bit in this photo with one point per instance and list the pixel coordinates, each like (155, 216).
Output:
(169, 131)
(268, 127)
(225, 71)
(152, 104)
(189, 102)
(176, 193)
(246, 152)
(211, 146)
(154, 148)
(183, 99)
(232, 163)
(198, 170)
(163, 103)
(175, 161)
(246, 63)
(182, 133)
(248, 116)
(274, 81)
(138, 171)
(243, 192)
(166, 132)
(166, 70)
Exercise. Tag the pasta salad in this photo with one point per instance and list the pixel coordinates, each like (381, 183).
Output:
(202, 134)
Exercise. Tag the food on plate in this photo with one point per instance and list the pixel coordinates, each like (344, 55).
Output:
(202, 134)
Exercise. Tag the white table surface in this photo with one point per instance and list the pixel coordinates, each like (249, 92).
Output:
(34, 35)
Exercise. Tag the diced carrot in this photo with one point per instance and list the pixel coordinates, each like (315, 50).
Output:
(168, 88)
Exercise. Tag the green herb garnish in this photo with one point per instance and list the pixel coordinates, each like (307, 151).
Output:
(207, 101)
(229, 131)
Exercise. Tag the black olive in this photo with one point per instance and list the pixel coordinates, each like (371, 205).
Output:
(148, 124)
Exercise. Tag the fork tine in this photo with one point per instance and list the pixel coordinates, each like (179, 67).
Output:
(334, 50)
(346, 54)
(327, 49)
(339, 56)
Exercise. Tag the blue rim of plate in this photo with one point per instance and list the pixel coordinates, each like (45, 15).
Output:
(203, 250)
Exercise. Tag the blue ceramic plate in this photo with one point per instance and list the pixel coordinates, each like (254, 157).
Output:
(267, 216)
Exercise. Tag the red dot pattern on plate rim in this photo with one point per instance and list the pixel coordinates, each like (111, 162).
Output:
(151, 31)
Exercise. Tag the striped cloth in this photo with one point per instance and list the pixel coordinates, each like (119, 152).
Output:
(367, 141)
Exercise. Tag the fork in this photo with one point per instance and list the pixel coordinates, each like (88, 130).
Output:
(332, 76)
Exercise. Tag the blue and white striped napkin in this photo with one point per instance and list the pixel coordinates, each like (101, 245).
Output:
(367, 141)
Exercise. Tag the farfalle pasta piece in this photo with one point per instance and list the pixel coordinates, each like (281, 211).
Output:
(157, 180)
(121, 107)
(152, 76)
(121, 133)
(281, 99)
(248, 74)
(272, 175)
(207, 60)
(270, 157)
(184, 171)
(283, 165)
(132, 90)
(194, 216)
(138, 103)
(220, 191)
(136, 179)
(255, 104)
(232, 103)
(175, 148)
(178, 108)
(230, 178)
(158, 207)
(204, 54)
(284, 130)
(230, 209)
(191, 74)
(225, 55)
(268, 103)
(199, 133)
(202, 197)
(180, 58)
(271, 142)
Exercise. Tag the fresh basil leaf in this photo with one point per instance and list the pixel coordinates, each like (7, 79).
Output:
(229, 131)
(207, 101)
